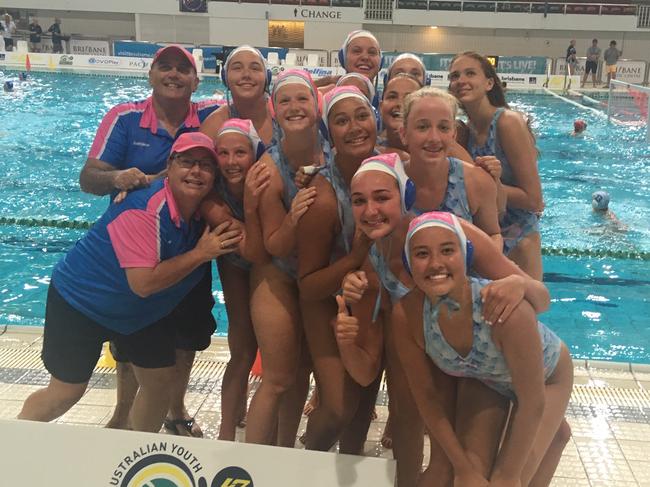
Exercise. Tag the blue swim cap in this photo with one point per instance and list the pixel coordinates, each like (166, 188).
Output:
(600, 200)
(8, 86)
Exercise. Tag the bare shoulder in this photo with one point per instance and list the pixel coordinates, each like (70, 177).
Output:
(215, 120)
(512, 120)
(325, 202)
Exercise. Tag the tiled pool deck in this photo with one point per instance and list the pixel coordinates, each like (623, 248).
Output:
(609, 410)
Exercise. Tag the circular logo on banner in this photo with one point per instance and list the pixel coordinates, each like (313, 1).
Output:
(159, 471)
(232, 477)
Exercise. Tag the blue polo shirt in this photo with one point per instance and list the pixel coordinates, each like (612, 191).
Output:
(143, 230)
(129, 135)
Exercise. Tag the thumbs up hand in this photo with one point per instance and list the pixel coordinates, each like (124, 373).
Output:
(346, 326)
(354, 286)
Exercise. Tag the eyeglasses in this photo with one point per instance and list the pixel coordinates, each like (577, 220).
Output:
(206, 165)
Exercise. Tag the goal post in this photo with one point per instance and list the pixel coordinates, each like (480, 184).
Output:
(629, 104)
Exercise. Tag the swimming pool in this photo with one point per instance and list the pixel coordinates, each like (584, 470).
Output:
(600, 304)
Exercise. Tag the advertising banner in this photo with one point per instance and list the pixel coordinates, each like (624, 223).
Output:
(302, 57)
(135, 48)
(560, 66)
(631, 71)
(130, 458)
(522, 64)
(89, 47)
(316, 72)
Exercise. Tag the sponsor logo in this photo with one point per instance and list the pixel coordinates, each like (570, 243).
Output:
(89, 50)
(65, 60)
(167, 464)
(140, 63)
(318, 71)
(307, 13)
(532, 80)
(103, 61)
(512, 78)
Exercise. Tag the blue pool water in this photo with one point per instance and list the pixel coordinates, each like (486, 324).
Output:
(600, 305)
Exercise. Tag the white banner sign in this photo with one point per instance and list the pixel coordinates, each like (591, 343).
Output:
(560, 66)
(631, 71)
(88, 47)
(302, 57)
(56, 455)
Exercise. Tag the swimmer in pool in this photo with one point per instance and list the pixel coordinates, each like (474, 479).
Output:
(579, 127)
(600, 205)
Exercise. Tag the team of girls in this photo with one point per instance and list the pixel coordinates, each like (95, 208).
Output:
(346, 228)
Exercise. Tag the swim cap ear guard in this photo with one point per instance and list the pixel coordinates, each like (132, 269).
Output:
(224, 69)
(348, 39)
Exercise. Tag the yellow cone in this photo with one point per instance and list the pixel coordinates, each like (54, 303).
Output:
(50, 63)
(106, 360)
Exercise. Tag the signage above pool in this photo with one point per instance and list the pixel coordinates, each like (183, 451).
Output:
(312, 14)
(128, 458)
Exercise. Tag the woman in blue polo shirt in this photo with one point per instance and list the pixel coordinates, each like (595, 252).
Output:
(123, 281)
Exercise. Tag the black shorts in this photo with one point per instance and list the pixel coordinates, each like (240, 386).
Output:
(192, 319)
(72, 342)
(591, 67)
(9, 44)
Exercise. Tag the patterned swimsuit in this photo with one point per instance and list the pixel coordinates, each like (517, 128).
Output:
(515, 223)
(484, 361)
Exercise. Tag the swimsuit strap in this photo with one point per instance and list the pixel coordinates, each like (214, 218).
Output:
(235, 205)
(345, 210)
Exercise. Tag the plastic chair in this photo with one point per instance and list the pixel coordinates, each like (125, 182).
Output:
(290, 60)
(273, 58)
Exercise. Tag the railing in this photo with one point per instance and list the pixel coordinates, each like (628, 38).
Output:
(307, 3)
(643, 19)
(520, 7)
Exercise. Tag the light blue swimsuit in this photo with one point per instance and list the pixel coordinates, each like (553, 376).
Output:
(287, 264)
(343, 242)
(515, 223)
(237, 209)
(455, 200)
(484, 361)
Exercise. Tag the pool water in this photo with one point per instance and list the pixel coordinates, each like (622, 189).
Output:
(600, 305)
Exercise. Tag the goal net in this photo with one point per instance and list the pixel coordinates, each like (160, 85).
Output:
(628, 104)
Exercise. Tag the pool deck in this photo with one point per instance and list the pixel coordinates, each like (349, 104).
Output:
(609, 410)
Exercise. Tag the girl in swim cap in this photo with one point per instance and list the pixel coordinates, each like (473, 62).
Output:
(275, 300)
(391, 109)
(465, 189)
(497, 131)
(328, 248)
(238, 191)
(579, 126)
(521, 359)
(245, 75)
(381, 195)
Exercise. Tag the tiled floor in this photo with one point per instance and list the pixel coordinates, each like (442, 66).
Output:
(609, 411)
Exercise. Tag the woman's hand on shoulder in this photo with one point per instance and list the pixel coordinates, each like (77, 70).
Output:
(257, 180)
(501, 297)
(491, 165)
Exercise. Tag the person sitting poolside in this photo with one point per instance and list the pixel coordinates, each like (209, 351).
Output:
(126, 281)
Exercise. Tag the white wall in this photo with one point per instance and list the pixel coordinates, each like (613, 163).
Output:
(505, 42)
(174, 28)
(239, 31)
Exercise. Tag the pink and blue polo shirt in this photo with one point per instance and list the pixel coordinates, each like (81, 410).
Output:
(142, 231)
(130, 136)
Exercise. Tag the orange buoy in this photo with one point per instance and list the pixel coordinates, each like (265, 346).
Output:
(28, 64)
(256, 370)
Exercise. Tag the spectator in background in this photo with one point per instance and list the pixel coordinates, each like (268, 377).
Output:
(35, 32)
(593, 54)
(611, 58)
(8, 30)
(571, 59)
(57, 37)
